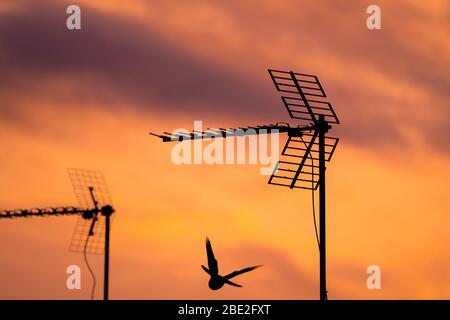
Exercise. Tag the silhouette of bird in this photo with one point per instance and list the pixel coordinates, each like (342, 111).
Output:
(217, 281)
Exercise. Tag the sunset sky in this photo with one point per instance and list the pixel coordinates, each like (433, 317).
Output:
(88, 98)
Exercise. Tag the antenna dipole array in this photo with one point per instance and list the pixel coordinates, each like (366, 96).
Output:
(91, 190)
(298, 166)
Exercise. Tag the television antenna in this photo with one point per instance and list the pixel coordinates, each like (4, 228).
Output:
(92, 230)
(307, 147)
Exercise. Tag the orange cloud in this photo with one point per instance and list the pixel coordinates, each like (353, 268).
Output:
(387, 182)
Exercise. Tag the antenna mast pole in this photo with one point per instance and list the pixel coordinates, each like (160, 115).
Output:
(106, 275)
(323, 128)
(107, 211)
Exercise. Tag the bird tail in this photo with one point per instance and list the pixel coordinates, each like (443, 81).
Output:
(232, 283)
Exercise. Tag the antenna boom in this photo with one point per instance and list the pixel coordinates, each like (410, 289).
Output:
(44, 212)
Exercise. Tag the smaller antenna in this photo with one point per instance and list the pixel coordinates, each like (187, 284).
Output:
(92, 233)
(93, 197)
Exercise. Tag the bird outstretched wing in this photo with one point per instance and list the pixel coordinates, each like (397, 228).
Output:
(236, 273)
(212, 262)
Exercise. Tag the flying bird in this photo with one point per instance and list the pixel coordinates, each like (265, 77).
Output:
(217, 281)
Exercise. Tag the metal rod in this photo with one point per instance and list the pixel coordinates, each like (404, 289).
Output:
(322, 128)
(302, 94)
(106, 275)
(307, 152)
(94, 219)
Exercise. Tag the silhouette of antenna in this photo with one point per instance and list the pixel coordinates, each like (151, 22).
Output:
(307, 147)
(92, 231)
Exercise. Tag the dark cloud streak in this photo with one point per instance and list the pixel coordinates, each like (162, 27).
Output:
(116, 61)
(133, 61)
